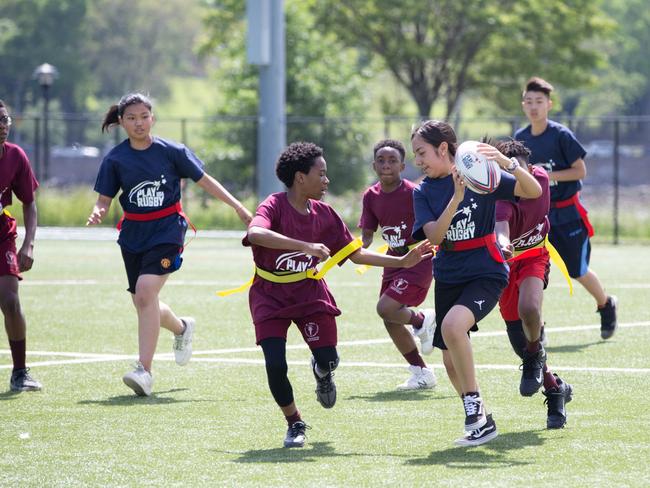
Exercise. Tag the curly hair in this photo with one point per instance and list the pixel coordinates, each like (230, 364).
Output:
(298, 156)
(390, 143)
(512, 148)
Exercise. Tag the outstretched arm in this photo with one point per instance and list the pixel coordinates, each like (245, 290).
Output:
(26, 252)
(414, 256)
(217, 190)
(99, 210)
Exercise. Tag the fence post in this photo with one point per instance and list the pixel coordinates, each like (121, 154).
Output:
(616, 177)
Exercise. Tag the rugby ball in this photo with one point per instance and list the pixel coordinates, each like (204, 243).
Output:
(481, 175)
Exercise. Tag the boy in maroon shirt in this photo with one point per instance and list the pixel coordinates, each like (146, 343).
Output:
(388, 204)
(522, 229)
(290, 234)
(16, 177)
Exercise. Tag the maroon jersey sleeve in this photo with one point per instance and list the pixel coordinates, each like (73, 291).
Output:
(368, 219)
(504, 210)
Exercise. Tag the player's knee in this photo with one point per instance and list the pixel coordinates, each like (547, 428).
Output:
(326, 358)
(530, 314)
(10, 304)
(516, 336)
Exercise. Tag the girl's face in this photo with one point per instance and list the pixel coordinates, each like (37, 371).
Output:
(433, 161)
(315, 182)
(137, 121)
(388, 165)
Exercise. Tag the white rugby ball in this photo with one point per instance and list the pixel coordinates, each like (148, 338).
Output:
(481, 175)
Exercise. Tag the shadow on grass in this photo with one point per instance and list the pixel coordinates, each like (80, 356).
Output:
(10, 395)
(155, 399)
(572, 347)
(312, 452)
(400, 396)
(493, 454)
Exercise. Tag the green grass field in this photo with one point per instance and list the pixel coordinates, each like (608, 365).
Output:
(214, 423)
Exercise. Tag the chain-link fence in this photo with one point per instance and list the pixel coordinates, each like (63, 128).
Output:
(618, 152)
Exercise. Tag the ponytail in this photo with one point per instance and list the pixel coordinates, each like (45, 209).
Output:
(114, 113)
(111, 118)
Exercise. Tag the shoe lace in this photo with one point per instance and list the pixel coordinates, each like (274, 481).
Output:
(298, 428)
(530, 363)
(325, 384)
(178, 342)
(472, 404)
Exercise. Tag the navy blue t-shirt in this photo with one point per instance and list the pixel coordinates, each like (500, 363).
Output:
(556, 149)
(150, 180)
(475, 217)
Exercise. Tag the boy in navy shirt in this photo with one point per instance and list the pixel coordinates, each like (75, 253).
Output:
(556, 148)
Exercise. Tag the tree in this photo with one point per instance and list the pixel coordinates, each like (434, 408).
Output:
(138, 46)
(323, 80)
(440, 49)
(45, 31)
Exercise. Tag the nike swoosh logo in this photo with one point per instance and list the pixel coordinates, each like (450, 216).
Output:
(539, 378)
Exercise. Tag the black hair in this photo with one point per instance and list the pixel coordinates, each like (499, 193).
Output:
(537, 84)
(114, 113)
(390, 143)
(435, 132)
(513, 149)
(298, 156)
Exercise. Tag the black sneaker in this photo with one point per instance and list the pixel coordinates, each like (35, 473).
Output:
(532, 376)
(479, 436)
(296, 436)
(325, 387)
(474, 411)
(21, 380)
(556, 399)
(608, 323)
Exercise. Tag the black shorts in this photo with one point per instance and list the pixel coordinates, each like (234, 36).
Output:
(572, 243)
(480, 296)
(159, 260)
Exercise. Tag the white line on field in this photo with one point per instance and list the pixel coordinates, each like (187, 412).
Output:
(83, 358)
(225, 284)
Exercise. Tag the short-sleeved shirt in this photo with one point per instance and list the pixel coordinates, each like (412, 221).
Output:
(16, 176)
(527, 217)
(475, 217)
(393, 213)
(556, 149)
(150, 180)
(268, 300)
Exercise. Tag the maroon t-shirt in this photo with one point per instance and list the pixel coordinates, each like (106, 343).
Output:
(268, 300)
(393, 213)
(527, 218)
(16, 176)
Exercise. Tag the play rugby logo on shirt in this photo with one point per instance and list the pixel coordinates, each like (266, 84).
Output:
(148, 193)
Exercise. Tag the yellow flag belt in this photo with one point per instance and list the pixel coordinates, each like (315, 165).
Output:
(311, 274)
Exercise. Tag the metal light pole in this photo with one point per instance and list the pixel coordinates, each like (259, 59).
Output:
(266, 48)
(45, 75)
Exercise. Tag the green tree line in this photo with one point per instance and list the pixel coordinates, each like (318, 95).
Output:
(340, 54)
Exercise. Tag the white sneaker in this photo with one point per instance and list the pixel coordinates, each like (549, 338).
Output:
(421, 379)
(183, 342)
(425, 333)
(139, 380)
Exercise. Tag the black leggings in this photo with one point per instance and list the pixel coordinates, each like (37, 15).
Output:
(275, 357)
